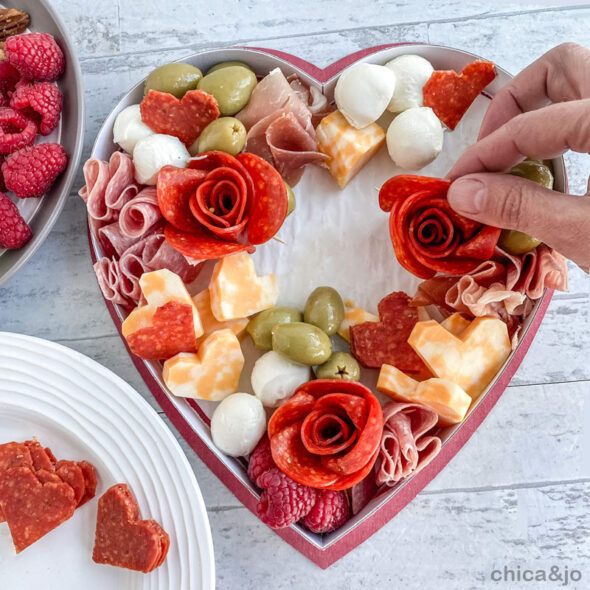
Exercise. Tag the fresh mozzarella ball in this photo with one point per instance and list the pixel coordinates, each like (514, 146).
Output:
(363, 92)
(415, 138)
(238, 423)
(411, 72)
(129, 128)
(152, 153)
(275, 378)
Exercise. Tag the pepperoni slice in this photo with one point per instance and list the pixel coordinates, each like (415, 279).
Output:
(71, 473)
(450, 94)
(172, 331)
(185, 118)
(270, 203)
(89, 473)
(41, 459)
(399, 187)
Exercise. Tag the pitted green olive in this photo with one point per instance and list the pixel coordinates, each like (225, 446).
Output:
(260, 327)
(177, 79)
(340, 365)
(228, 64)
(324, 309)
(292, 202)
(302, 343)
(225, 134)
(534, 170)
(231, 87)
(517, 242)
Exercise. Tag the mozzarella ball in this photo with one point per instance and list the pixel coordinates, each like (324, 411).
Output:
(275, 378)
(363, 92)
(411, 72)
(129, 128)
(152, 153)
(415, 138)
(238, 423)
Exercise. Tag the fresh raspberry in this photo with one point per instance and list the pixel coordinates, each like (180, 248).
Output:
(14, 231)
(9, 77)
(35, 55)
(4, 100)
(16, 131)
(260, 461)
(31, 171)
(283, 501)
(39, 102)
(330, 512)
(2, 185)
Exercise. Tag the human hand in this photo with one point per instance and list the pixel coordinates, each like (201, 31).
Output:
(541, 113)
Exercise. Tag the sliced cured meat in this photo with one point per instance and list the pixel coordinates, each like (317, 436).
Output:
(140, 214)
(39, 456)
(327, 435)
(184, 118)
(450, 94)
(71, 473)
(14, 454)
(122, 539)
(313, 97)
(408, 443)
(202, 245)
(33, 509)
(89, 473)
(386, 341)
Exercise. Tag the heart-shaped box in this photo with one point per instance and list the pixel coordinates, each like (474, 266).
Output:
(191, 417)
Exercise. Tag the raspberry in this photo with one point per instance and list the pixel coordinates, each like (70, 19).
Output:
(31, 171)
(4, 101)
(330, 512)
(283, 501)
(35, 55)
(41, 103)
(2, 185)
(260, 461)
(9, 77)
(16, 131)
(14, 231)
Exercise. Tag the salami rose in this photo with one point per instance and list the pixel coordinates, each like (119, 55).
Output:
(327, 435)
(427, 235)
(221, 205)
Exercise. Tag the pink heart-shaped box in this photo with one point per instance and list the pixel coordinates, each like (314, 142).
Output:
(190, 417)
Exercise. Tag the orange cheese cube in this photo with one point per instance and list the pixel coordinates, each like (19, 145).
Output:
(395, 383)
(209, 322)
(212, 373)
(471, 360)
(348, 149)
(139, 318)
(237, 292)
(353, 317)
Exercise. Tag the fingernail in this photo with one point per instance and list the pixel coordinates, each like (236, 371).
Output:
(467, 196)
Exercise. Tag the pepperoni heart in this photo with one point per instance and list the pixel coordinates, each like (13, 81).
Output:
(450, 94)
(185, 118)
(122, 539)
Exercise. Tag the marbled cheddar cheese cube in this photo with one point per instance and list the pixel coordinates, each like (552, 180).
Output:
(348, 149)
(445, 397)
(353, 317)
(139, 318)
(235, 290)
(212, 373)
(160, 286)
(471, 360)
(209, 322)
(455, 324)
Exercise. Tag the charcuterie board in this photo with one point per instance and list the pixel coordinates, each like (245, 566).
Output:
(338, 238)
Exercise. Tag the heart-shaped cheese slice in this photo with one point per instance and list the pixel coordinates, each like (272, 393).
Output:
(235, 290)
(445, 397)
(471, 360)
(212, 373)
(456, 324)
(210, 323)
(352, 317)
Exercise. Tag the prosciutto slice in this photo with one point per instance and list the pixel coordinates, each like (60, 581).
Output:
(406, 447)
(316, 101)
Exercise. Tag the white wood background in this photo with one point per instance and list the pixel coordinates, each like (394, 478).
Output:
(518, 494)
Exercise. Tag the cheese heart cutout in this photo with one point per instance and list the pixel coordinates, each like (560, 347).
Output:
(237, 292)
(212, 373)
(209, 321)
(470, 360)
(446, 398)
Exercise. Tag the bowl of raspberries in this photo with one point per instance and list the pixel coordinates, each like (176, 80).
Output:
(41, 127)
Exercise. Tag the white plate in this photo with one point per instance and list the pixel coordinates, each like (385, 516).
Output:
(83, 411)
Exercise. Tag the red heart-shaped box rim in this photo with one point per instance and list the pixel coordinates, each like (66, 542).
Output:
(376, 518)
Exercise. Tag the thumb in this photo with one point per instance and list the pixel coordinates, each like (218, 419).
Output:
(561, 221)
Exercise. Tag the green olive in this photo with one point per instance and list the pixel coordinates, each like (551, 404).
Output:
(340, 365)
(534, 170)
(225, 134)
(292, 201)
(302, 343)
(177, 79)
(231, 87)
(517, 242)
(228, 64)
(324, 309)
(260, 327)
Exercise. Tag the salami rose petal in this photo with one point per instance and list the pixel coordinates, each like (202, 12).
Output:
(399, 187)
